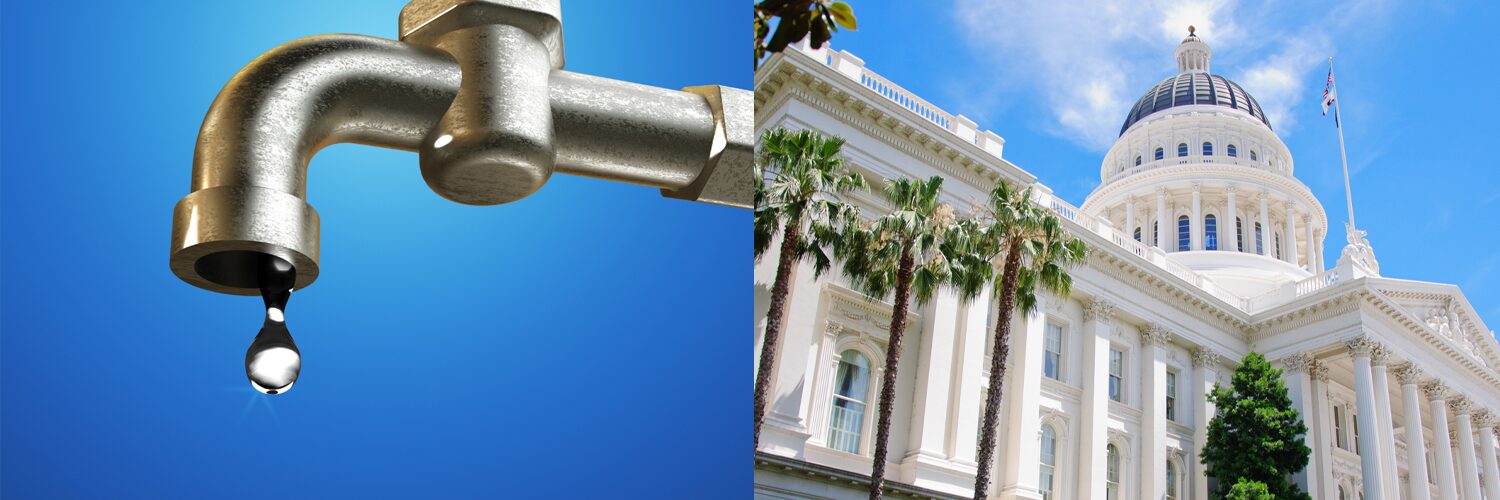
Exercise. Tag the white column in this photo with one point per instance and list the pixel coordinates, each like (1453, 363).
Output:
(934, 377)
(1385, 429)
(1019, 464)
(1463, 428)
(1369, 443)
(1154, 340)
(970, 383)
(1130, 219)
(1161, 218)
(1196, 225)
(1323, 453)
(1486, 423)
(1322, 233)
(1437, 395)
(1232, 242)
(1093, 433)
(787, 428)
(1312, 264)
(1265, 225)
(1416, 449)
(1289, 253)
(1299, 388)
(1205, 371)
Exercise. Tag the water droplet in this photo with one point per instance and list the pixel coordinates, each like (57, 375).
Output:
(273, 362)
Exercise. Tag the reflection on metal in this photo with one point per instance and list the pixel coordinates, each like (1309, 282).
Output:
(477, 89)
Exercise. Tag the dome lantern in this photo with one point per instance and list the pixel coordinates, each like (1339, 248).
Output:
(1192, 55)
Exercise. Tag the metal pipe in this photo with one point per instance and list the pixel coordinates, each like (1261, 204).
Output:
(493, 141)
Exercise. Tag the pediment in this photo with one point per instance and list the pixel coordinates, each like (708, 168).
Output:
(1443, 311)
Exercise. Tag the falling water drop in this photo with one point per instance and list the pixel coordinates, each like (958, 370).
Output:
(273, 361)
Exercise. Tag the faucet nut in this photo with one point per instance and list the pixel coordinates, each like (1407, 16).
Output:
(729, 175)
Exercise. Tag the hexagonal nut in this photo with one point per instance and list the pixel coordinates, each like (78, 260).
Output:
(729, 174)
(423, 21)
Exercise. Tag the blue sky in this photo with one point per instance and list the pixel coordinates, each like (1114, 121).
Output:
(1055, 79)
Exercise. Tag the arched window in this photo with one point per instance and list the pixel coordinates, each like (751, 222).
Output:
(1138, 234)
(1182, 149)
(1171, 480)
(1253, 156)
(1137, 160)
(1260, 248)
(1341, 493)
(1239, 234)
(1210, 232)
(1184, 241)
(1049, 461)
(850, 393)
(1231, 151)
(1111, 473)
(1160, 153)
(1208, 148)
(1278, 245)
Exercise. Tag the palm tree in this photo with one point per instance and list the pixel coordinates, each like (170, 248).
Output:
(801, 201)
(1037, 252)
(898, 252)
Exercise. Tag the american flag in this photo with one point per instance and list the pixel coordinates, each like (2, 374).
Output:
(1330, 94)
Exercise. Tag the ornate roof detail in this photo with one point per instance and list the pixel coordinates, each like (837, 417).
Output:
(1296, 363)
(1408, 374)
(1189, 89)
(1099, 309)
(1460, 406)
(1155, 334)
(1361, 346)
(1204, 356)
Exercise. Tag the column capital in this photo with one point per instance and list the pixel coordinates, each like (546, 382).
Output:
(1204, 356)
(1230, 188)
(1484, 419)
(1435, 390)
(1460, 405)
(1291, 207)
(1197, 186)
(1155, 334)
(1263, 196)
(1307, 219)
(833, 328)
(1408, 374)
(1098, 309)
(1379, 354)
(1296, 363)
(1319, 371)
(1161, 191)
(1361, 346)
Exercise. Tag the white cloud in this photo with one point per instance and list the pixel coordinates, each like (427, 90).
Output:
(1091, 59)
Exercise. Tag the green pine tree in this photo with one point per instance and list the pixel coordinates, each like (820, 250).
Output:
(1256, 435)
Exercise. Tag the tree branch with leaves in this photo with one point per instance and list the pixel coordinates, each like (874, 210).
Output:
(796, 19)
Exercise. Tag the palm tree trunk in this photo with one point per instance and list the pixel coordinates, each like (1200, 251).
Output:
(888, 380)
(997, 369)
(772, 338)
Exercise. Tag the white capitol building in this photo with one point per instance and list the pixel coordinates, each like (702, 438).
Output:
(1204, 244)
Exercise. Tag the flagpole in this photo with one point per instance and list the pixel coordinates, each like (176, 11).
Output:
(1338, 123)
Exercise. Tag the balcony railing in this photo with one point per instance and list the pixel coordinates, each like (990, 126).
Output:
(843, 432)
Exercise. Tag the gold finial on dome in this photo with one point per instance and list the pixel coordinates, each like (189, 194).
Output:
(1191, 29)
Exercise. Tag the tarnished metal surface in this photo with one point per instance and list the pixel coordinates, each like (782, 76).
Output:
(494, 144)
(423, 21)
(481, 80)
(728, 177)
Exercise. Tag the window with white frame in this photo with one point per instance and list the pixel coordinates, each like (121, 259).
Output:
(1172, 396)
(1239, 235)
(1260, 248)
(1184, 238)
(1137, 234)
(1160, 154)
(1210, 232)
(1111, 473)
(1182, 149)
(850, 398)
(1208, 149)
(1052, 357)
(1171, 480)
(1339, 438)
(1116, 375)
(1049, 462)
(1232, 151)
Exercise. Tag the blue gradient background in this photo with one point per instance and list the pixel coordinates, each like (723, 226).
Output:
(583, 342)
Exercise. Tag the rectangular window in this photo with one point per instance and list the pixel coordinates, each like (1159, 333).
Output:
(1052, 358)
(1116, 375)
(1355, 418)
(1171, 396)
(1338, 428)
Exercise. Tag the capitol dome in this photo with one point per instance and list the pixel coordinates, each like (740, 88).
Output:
(1194, 88)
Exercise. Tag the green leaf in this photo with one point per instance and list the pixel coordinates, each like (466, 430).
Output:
(843, 14)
